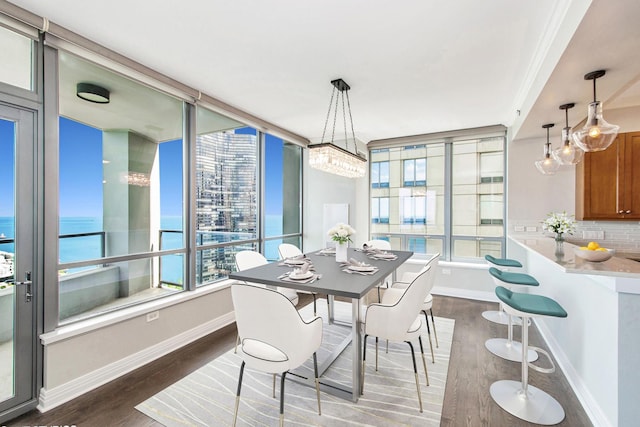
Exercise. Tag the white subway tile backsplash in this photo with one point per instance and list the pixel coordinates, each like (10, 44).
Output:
(621, 236)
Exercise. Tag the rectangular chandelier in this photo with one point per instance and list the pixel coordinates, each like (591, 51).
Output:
(330, 158)
(327, 156)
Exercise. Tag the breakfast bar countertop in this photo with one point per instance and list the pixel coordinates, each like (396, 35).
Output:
(597, 343)
(616, 266)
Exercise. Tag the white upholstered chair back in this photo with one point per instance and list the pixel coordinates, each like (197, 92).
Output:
(392, 321)
(267, 316)
(249, 259)
(408, 276)
(383, 245)
(287, 250)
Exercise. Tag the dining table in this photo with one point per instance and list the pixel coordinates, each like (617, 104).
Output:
(335, 279)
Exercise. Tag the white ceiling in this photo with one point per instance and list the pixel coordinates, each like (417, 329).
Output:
(415, 66)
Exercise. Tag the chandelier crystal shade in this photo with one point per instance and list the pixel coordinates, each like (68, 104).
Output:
(569, 153)
(597, 134)
(547, 165)
(327, 156)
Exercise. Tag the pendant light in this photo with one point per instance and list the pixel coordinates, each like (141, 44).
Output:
(597, 134)
(569, 153)
(548, 165)
(327, 156)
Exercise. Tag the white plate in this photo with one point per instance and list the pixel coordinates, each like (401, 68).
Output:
(328, 251)
(294, 261)
(361, 267)
(301, 276)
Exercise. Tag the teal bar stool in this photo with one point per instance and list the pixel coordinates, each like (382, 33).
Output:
(520, 399)
(508, 348)
(504, 264)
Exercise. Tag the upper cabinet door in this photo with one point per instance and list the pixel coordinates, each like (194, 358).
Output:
(629, 184)
(608, 182)
(597, 182)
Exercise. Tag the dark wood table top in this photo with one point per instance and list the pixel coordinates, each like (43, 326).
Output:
(334, 281)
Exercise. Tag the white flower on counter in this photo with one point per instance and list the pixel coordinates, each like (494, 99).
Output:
(559, 223)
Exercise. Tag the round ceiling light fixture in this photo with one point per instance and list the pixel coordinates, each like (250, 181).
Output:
(92, 93)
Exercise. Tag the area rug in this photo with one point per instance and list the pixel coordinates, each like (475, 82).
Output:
(207, 396)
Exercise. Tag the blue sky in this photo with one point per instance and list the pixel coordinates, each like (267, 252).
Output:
(81, 171)
(6, 167)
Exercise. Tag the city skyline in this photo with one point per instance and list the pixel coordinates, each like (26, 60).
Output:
(82, 151)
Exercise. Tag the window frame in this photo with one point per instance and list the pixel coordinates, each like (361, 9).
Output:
(447, 239)
(190, 250)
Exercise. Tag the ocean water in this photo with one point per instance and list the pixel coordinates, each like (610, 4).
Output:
(90, 247)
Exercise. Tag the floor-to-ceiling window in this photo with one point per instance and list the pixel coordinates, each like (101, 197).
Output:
(477, 193)
(120, 191)
(248, 192)
(226, 193)
(408, 210)
(446, 195)
(122, 222)
(282, 201)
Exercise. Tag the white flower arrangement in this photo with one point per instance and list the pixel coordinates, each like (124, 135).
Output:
(341, 233)
(559, 223)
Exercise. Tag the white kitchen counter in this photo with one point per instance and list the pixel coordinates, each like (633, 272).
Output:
(617, 273)
(598, 345)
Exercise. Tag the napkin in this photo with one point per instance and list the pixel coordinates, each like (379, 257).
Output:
(303, 268)
(370, 249)
(355, 262)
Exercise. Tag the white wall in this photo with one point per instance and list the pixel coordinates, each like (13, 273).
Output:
(531, 195)
(80, 357)
(321, 188)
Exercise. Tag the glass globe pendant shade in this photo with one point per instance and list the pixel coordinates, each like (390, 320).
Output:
(569, 153)
(547, 166)
(597, 134)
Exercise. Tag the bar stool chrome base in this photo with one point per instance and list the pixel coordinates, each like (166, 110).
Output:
(500, 317)
(534, 405)
(512, 351)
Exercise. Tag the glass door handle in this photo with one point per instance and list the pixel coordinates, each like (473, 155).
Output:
(27, 282)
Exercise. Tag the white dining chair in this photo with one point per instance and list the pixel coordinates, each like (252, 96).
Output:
(397, 318)
(288, 250)
(427, 305)
(249, 259)
(382, 245)
(275, 339)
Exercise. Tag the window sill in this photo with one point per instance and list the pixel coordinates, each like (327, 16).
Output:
(82, 327)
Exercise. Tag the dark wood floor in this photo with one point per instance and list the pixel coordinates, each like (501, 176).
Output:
(467, 402)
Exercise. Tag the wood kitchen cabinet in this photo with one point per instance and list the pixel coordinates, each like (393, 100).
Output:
(608, 182)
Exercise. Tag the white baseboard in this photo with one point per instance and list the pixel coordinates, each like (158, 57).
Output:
(50, 398)
(590, 405)
(464, 293)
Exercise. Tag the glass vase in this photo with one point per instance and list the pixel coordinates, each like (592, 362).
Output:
(559, 245)
(341, 251)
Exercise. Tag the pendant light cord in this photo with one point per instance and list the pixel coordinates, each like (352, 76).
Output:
(353, 133)
(344, 118)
